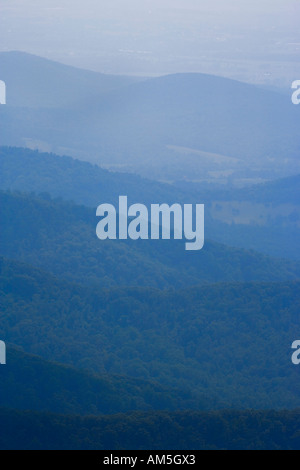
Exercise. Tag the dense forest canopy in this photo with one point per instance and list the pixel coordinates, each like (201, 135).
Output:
(117, 327)
(228, 344)
(31, 383)
(270, 211)
(61, 238)
(227, 430)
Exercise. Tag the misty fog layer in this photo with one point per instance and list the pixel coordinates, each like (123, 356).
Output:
(257, 41)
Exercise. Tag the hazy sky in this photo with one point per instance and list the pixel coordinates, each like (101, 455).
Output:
(243, 38)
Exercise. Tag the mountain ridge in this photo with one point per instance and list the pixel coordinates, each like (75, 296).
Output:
(232, 340)
(52, 84)
(61, 238)
(29, 382)
(144, 128)
(268, 212)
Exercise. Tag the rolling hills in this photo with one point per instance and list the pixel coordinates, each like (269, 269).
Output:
(111, 328)
(229, 345)
(186, 126)
(61, 238)
(264, 217)
(31, 383)
(227, 430)
(35, 82)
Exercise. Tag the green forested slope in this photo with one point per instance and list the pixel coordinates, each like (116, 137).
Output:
(63, 177)
(229, 343)
(31, 383)
(230, 430)
(61, 238)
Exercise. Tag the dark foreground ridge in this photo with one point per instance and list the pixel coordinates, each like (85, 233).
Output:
(226, 430)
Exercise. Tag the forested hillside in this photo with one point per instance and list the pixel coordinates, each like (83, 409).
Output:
(61, 238)
(264, 217)
(229, 430)
(62, 176)
(228, 343)
(123, 344)
(30, 383)
(73, 180)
